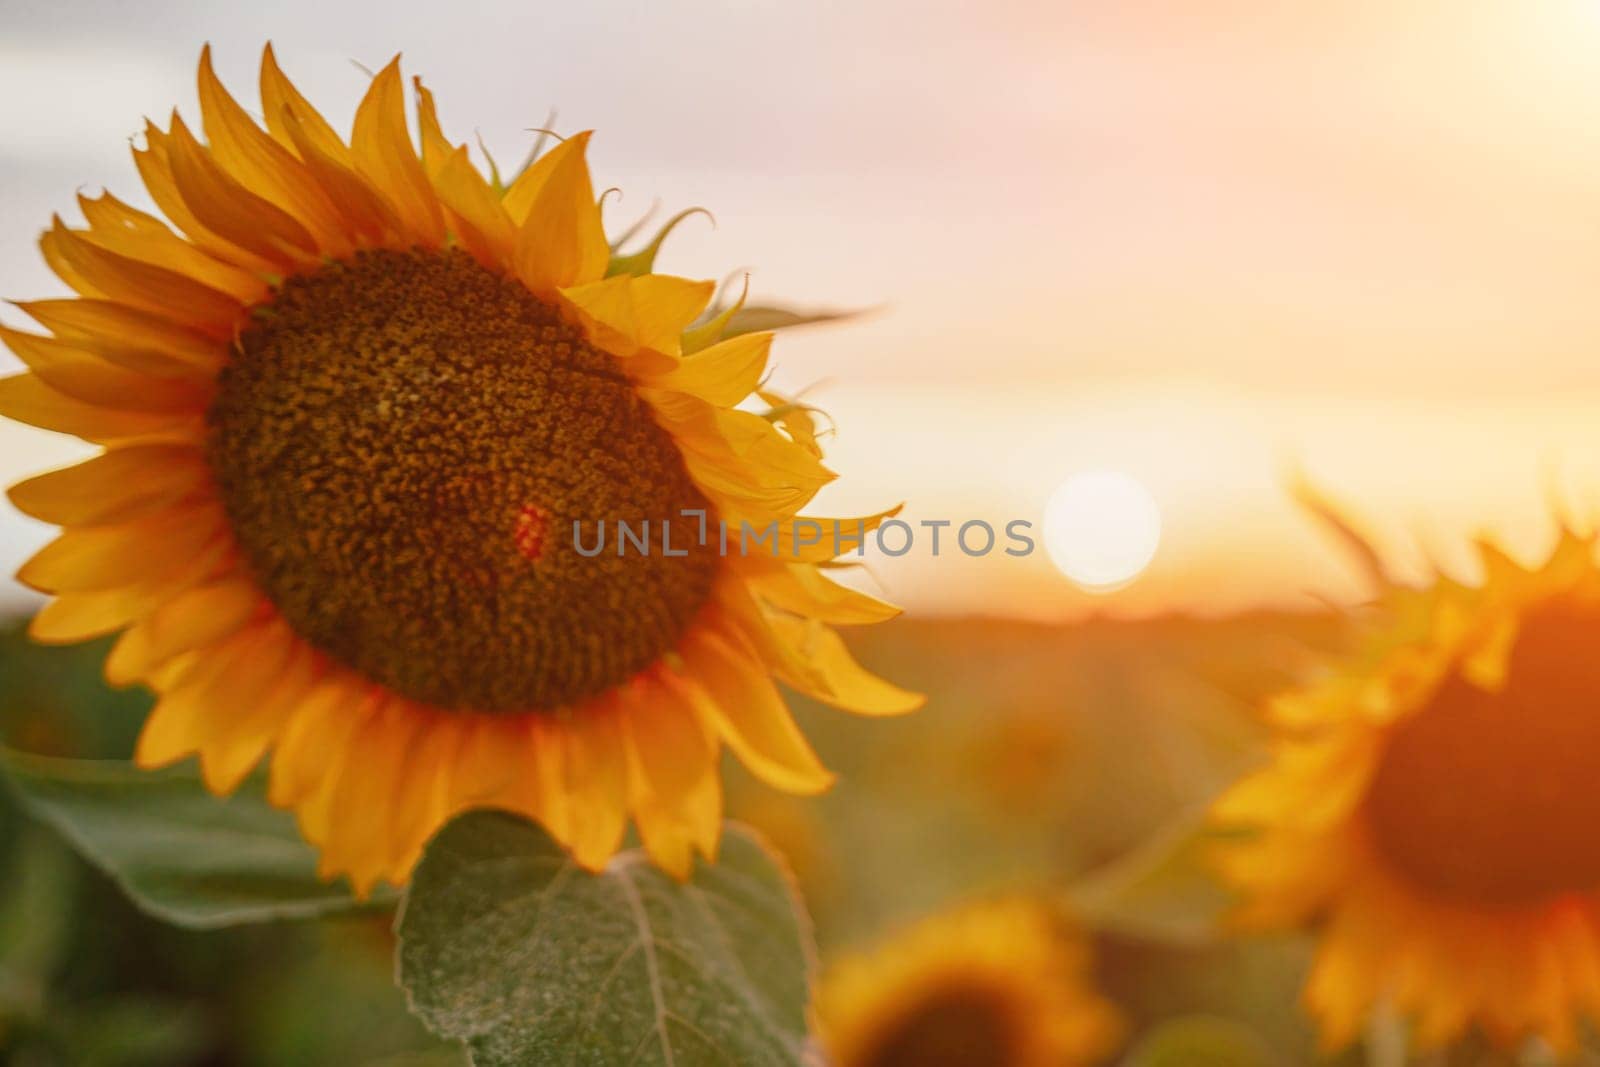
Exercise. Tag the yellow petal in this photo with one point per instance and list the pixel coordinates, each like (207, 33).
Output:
(155, 168)
(385, 157)
(25, 398)
(839, 536)
(751, 470)
(723, 374)
(165, 292)
(423, 805)
(595, 782)
(626, 313)
(739, 441)
(89, 558)
(370, 781)
(260, 686)
(120, 228)
(80, 616)
(199, 617)
(226, 208)
(562, 243)
(843, 682)
(475, 214)
(116, 485)
(262, 165)
(111, 326)
(663, 305)
(487, 761)
(667, 839)
(800, 589)
(181, 720)
(436, 148)
(550, 775)
(279, 98)
(519, 198)
(703, 812)
(605, 312)
(317, 733)
(744, 707)
(368, 213)
(660, 727)
(70, 370)
(795, 418)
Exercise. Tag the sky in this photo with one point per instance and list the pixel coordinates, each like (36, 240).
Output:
(1196, 243)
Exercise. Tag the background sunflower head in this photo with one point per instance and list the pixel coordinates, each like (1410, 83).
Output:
(1428, 809)
(1006, 983)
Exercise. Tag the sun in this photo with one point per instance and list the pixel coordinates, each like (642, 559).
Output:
(1101, 529)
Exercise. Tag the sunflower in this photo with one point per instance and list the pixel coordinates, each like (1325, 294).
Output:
(356, 409)
(1430, 804)
(992, 984)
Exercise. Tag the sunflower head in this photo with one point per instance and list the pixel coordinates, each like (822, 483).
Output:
(995, 984)
(364, 411)
(1429, 808)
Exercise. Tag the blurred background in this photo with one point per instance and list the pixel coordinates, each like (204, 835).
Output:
(1185, 246)
(1190, 243)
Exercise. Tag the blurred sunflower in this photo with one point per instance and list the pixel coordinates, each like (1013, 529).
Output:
(1430, 807)
(996, 984)
(350, 410)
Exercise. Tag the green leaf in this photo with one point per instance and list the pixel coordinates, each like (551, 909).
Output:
(180, 854)
(1164, 890)
(507, 945)
(129, 1029)
(37, 882)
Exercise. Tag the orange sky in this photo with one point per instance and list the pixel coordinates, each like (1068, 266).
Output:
(1183, 240)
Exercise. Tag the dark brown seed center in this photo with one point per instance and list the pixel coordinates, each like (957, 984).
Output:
(403, 441)
(1489, 799)
(959, 1028)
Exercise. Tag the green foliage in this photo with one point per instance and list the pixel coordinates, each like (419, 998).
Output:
(180, 853)
(507, 945)
(1048, 757)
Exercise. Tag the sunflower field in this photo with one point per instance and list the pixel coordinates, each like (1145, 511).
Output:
(398, 683)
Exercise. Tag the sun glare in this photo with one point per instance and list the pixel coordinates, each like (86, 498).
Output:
(1101, 529)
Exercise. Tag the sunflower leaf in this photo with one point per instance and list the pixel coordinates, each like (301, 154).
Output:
(507, 945)
(181, 854)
